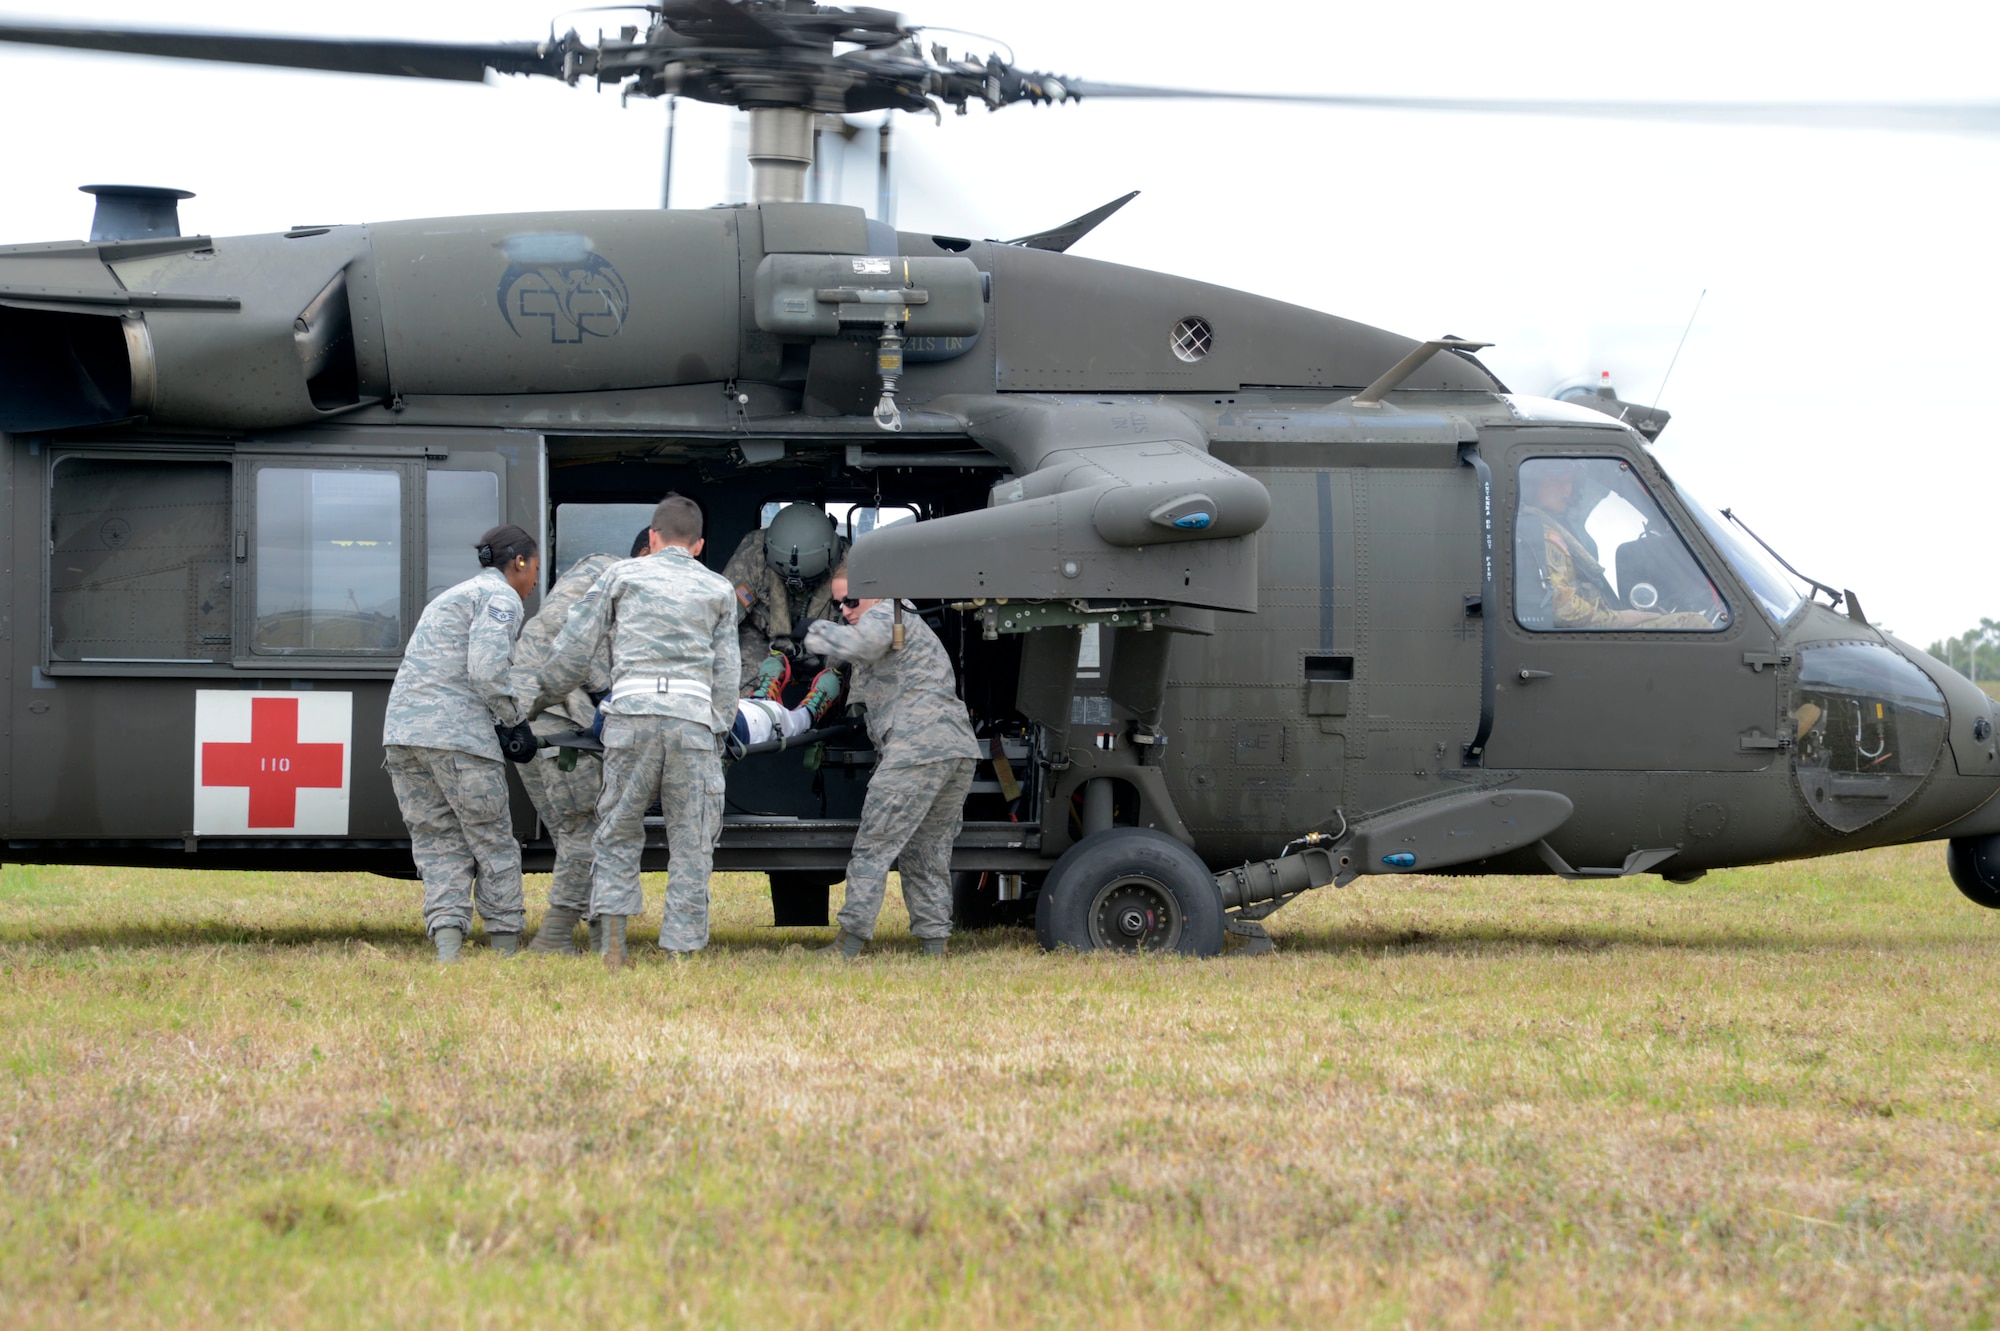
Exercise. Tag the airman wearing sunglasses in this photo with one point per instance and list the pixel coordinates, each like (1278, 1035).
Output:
(916, 798)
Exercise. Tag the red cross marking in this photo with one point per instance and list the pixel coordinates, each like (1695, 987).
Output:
(274, 765)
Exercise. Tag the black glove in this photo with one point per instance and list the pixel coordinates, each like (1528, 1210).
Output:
(803, 626)
(517, 742)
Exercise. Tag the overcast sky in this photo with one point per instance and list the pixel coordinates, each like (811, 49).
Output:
(1832, 390)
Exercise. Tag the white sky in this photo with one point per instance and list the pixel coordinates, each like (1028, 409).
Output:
(1828, 391)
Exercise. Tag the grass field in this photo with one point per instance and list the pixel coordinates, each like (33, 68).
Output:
(1769, 1098)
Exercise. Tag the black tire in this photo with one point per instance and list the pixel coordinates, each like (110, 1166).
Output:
(1975, 866)
(1131, 889)
(799, 897)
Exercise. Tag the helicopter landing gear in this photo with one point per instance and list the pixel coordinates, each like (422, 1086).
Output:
(799, 897)
(989, 901)
(1130, 889)
(1975, 866)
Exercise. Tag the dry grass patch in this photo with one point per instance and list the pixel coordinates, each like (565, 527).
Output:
(1771, 1097)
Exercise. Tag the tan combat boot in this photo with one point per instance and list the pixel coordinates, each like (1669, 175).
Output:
(558, 930)
(844, 947)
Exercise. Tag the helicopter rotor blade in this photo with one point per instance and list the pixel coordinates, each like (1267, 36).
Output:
(718, 21)
(459, 62)
(1949, 117)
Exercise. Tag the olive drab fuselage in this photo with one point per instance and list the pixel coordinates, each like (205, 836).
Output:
(1170, 545)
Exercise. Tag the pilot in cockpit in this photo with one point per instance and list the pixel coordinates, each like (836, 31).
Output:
(1581, 595)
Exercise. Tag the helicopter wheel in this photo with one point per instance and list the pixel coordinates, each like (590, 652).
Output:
(1130, 890)
(1975, 866)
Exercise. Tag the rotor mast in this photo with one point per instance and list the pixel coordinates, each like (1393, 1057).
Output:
(781, 153)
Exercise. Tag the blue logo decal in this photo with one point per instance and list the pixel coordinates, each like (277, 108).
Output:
(1402, 859)
(561, 279)
(1194, 521)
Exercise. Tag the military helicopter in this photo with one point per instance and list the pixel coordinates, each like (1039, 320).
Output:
(1246, 600)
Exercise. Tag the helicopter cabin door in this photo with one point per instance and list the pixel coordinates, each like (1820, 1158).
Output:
(1623, 645)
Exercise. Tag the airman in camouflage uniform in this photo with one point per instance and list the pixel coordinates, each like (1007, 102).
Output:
(443, 756)
(567, 801)
(780, 577)
(916, 797)
(671, 625)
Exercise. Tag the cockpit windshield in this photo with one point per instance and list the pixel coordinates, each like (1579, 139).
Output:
(1775, 589)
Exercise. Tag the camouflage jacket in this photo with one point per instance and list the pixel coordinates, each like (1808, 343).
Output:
(539, 634)
(766, 608)
(453, 683)
(672, 628)
(1579, 590)
(914, 714)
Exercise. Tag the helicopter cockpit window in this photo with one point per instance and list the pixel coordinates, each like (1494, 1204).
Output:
(1867, 728)
(1593, 553)
(857, 520)
(853, 521)
(1766, 579)
(329, 573)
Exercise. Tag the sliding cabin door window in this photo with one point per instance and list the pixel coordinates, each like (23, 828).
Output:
(462, 502)
(139, 561)
(326, 557)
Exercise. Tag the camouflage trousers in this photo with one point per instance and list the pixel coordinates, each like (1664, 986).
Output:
(649, 758)
(567, 802)
(910, 819)
(455, 805)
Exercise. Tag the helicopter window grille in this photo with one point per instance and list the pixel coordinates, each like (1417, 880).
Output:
(139, 567)
(1593, 553)
(1192, 338)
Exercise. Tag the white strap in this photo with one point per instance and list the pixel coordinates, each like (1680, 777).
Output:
(685, 688)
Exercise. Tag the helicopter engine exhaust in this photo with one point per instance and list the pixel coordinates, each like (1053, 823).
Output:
(60, 369)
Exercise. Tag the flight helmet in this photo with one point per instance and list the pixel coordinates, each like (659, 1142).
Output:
(800, 543)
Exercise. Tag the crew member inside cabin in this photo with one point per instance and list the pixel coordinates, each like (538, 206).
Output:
(781, 579)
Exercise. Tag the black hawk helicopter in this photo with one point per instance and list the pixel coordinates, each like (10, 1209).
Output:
(1245, 599)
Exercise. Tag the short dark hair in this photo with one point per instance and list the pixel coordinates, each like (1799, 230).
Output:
(677, 520)
(502, 545)
(642, 544)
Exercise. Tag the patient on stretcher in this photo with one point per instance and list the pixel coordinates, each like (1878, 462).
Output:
(763, 715)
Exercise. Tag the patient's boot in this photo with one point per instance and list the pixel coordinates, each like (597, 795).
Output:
(825, 693)
(597, 937)
(558, 930)
(772, 676)
(614, 942)
(506, 945)
(449, 941)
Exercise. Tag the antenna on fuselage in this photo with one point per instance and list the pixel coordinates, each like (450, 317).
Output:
(1677, 347)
